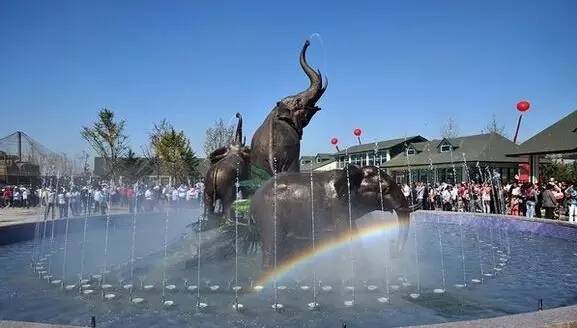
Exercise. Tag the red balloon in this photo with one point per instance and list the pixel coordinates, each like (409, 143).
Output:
(334, 141)
(523, 106)
(357, 132)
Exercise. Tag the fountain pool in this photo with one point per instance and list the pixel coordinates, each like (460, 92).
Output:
(465, 266)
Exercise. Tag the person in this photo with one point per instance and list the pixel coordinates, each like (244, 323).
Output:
(446, 196)
(16, 197)
(200, 190)
(68, 198)
(514, 198)
(549, 202)
(420, 193)
(98, 200)
(407, 191)
(25, 198)
(148, 200)
(61, 200)
(174, 197)
(50, 203)
(7, 196)
(571, 193)
(530, 200)
(75, 202)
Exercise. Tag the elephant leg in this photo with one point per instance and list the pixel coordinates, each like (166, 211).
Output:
(227, 200)
(269, 248)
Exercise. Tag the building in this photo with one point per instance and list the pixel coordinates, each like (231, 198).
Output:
(455, 160)
(15, 172)
(319, 162)
(376, 153)
(559, 139)
(20, 160)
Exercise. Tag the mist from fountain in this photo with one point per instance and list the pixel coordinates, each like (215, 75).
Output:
(314, 305)
(131, 285)
(51, 251)
(464, 284)
(276, 305)
(387, 296)
(236, 288)
(350, 303)
(442, 257)
(417, 265)
(103, 285)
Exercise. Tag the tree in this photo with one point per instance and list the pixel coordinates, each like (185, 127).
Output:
(559, 170)
(173, 149)
(134, 167)
(107, 138)
(450, 129)
(220, 135)
(494, 127)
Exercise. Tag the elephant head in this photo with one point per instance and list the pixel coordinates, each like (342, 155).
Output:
(369, 187)
(331, 191)
(299, 109)
(236, 147)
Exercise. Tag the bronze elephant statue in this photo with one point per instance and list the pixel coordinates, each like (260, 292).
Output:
(226, 165)
(293, 223)
(279, 136)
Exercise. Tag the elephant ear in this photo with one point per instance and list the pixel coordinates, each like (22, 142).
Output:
(217, 154)
(245, 153)
(283, 112)
(355, 178)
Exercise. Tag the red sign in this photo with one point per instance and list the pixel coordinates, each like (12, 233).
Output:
(357, 132)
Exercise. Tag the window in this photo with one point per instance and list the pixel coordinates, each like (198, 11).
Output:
(412, 151)
(445, 148)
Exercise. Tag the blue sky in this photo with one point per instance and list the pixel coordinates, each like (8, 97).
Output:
(396, 68)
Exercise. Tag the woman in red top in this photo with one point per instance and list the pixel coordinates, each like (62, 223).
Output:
(8, 196)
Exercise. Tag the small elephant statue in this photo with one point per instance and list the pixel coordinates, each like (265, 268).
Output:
(293, 197)
(226, 165)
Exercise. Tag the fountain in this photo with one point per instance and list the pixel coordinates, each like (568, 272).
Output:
(349, 284)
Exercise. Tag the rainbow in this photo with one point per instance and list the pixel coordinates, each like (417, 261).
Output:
(369, 231)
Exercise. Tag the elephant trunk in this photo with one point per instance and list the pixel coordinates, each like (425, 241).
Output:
(315, 90)
(403, 215)
(238, 136)
(394, 199)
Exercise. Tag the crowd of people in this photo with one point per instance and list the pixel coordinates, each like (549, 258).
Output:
(90, 199)
(552, 199)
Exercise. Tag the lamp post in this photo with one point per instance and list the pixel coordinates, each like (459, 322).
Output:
(522, 107)
(335, 142)
(357, 133)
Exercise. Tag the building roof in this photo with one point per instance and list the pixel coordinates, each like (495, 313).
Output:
(314, 165)
(558, 138)
(490, 147)
(385, 144)
(326, 158)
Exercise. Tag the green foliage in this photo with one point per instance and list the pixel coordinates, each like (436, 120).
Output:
(560, 171)
(258, 176)
(242, 207)
(173, 149)
(106, 136)
(134, 168)
(248, 236)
